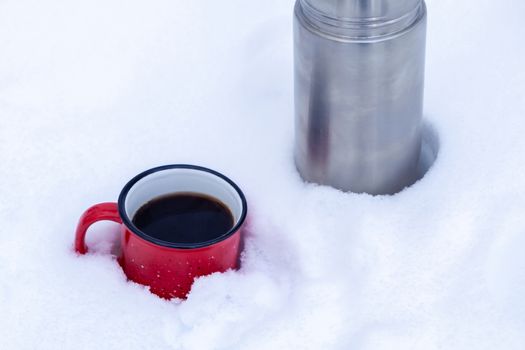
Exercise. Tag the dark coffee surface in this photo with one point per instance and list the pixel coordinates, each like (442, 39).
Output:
(184, 218)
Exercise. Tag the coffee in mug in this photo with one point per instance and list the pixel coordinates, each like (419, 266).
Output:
(184, 218)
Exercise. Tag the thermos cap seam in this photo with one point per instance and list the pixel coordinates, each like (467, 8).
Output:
(357, 29)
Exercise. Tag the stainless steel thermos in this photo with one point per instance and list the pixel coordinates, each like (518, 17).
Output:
(359, 76)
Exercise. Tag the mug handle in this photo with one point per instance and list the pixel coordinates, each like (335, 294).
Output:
(98, 212)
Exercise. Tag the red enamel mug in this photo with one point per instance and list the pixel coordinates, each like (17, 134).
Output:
(169, 268)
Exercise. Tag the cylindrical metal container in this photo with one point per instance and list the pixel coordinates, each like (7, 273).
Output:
(359, 76)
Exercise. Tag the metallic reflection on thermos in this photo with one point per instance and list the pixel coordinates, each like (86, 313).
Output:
(359, 76)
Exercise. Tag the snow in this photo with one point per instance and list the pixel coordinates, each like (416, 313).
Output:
(94, 92)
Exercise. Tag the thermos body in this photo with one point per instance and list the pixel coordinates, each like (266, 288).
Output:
(359, 78)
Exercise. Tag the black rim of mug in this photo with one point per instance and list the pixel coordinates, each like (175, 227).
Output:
(129, 224)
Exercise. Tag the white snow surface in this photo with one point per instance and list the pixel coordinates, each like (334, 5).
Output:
(94, 92)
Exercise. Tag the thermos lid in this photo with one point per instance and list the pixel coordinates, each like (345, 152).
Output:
(358, 10)
(362, 18)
